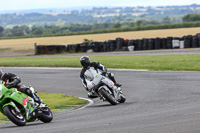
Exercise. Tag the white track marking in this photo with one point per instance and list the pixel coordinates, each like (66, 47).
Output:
(89, 104)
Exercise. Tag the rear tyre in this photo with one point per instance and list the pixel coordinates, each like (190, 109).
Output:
(46, 116)
(109, 97)
(14, 116)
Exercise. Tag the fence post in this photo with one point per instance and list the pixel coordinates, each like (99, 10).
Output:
(35, 45)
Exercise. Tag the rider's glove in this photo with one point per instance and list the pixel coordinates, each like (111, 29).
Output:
(12, 84)
(104, 73)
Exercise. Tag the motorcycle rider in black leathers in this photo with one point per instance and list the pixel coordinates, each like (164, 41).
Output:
(86, 64)
(12, 81)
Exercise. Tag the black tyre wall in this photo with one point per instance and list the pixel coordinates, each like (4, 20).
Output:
(164, 43)
(194, 42)
(136, 44)
(151, 44)
(120, 43)
(157, 43)
(141, 43)
(188, 41)
(145, 45)
(169, 42)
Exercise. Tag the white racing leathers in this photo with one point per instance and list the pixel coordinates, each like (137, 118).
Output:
(102, 86)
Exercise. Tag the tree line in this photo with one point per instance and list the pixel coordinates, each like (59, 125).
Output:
(190, 20)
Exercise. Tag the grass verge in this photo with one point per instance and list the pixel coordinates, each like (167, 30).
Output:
(150, 62)
(57, 102)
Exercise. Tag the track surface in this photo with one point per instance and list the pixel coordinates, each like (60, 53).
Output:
(157, 102)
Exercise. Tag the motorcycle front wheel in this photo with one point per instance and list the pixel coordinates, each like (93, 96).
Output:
(109, 97)
(46, 116)
(14, 116)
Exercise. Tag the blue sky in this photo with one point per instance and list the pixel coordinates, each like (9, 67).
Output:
(38, 4)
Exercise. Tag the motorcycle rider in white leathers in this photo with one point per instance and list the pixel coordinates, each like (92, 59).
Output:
(86, 64)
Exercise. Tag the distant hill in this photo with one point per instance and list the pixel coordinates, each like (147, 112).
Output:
(96, 15)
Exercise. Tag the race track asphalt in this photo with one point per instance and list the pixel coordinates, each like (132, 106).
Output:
(157, 102)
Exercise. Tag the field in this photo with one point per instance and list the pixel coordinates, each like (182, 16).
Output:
(149, 62)
(26, 45)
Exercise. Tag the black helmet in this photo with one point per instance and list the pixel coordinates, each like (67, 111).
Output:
(85, 61)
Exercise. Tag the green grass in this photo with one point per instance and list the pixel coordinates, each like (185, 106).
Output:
(56, 101)
(149, 62)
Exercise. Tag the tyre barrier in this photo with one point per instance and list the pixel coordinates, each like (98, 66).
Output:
(120, 44)
(49, 49)
(140, 45)
(164, 43)
(145, 45)
(151, 44)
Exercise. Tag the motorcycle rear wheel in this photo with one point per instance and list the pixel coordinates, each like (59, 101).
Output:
(14, 116)
(110, 98)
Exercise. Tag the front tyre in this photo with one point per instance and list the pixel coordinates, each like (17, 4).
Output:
(46, 116)
(122, 98)
(14, 116)
(109, 97)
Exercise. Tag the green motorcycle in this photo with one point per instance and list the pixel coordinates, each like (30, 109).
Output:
(20, 108)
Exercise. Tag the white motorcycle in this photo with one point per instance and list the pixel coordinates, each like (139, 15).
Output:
(103, 87)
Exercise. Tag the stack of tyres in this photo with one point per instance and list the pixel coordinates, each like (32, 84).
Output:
(95, 47)
(105, 47)
(78, 48)
(70, 48)
(164, 43)
(136, 44)
(119, 43)
(83, 47)
(41, 49)
(194, 42)
(101, 47)
(151, 44)
(52, 49)
(198, 36)
(157, 43)
(112, 45)
(108, 46)
(141, 43)
(145, 45)
(188, 41)
(169, 42)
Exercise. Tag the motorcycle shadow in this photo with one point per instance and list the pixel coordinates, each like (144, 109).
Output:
(27, 125)
(109, 105)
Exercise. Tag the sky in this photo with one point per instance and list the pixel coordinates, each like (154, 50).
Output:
(44, 4)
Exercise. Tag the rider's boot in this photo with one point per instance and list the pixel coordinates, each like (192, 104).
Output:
(92, 95)
(116, 83)
(111, 76)
(36, 98)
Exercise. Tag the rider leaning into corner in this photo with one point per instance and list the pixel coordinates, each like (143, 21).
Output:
(13, 81)
(86, 64)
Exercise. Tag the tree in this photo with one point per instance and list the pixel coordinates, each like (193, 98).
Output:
(117, 25)
(139, 23)
(17, 31)
(166, 20)
(191, 17)
(1, 29)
